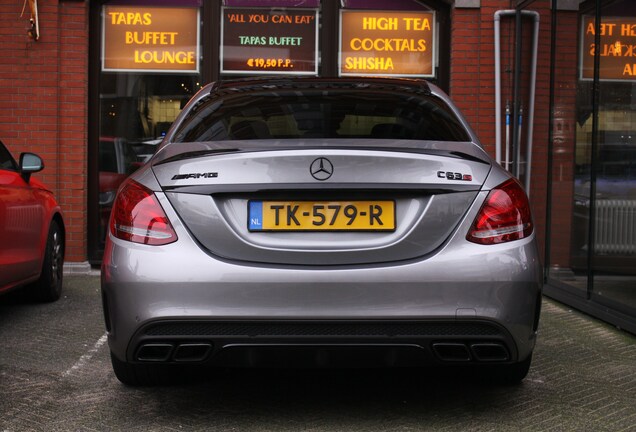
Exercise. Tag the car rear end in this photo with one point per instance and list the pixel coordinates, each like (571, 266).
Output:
(332, 221)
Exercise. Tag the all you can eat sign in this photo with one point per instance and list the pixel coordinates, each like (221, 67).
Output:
(266, 41)
(154, 39)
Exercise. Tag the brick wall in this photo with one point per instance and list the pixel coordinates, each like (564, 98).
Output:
(472, 83)
(43, 101)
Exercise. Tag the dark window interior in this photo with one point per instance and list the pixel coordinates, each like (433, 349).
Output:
(6, 160)
(322, 115)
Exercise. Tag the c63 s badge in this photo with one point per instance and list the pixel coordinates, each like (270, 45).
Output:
(454, 176)
(194, 176)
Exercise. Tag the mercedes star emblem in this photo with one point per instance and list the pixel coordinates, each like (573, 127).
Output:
(321, 169)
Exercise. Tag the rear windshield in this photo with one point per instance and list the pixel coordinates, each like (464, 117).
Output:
(323, 114)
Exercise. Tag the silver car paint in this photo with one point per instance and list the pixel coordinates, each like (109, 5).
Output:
(423, 221)
(220, 226)
(145, 283)
(351, 166)
(457, 281)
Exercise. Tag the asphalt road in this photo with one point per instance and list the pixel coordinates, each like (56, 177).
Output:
(55, 375)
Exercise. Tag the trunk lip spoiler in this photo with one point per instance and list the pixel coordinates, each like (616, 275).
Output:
(469, 152)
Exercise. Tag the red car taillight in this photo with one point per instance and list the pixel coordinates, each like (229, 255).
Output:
(505, 216)
(138, 217)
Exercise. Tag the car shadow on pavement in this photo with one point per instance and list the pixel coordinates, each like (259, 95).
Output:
(265, 389)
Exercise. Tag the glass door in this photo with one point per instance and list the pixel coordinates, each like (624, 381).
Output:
(592, 228)
(614, 168)
(149, 69)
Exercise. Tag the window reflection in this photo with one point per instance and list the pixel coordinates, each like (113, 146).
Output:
(594, 186)
(135, 113)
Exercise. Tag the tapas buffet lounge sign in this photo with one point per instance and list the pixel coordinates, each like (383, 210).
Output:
(156, 39)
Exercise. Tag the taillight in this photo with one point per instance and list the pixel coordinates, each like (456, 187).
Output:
(138, 217)
(505, 216)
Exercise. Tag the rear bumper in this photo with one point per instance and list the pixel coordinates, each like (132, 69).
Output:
(322, 343)
(204, 309)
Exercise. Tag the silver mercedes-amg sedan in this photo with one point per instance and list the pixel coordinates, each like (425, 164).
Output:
(320, 222)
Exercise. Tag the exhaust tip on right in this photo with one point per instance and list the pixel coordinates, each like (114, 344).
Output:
(490, 352)
(452, 352)
(192, 352)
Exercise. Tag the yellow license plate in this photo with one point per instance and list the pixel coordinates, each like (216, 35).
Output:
(321, 216)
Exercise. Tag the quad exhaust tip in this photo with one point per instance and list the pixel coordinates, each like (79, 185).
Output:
(452, 352)
(164, 352)
(489, 352)
(154, 352)
(478, 352)
(192, 352)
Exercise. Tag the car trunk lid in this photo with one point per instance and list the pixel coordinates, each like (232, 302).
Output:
(322, 205)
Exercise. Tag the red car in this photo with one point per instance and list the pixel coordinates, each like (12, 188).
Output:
(32, 234)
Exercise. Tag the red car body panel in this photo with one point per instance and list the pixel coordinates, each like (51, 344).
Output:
(26, 212)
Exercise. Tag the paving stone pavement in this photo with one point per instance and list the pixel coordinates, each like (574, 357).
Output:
(55, 375)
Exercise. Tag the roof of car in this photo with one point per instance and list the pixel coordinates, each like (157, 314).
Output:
(225, 87)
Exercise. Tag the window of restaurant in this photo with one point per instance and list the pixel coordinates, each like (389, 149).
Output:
(365, 49)
(591, 255)
(150, 56)
(269, 41)
(149, 68)
(398, 38)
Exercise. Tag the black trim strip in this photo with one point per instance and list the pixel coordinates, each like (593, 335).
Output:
(429, 189)
(323, 328)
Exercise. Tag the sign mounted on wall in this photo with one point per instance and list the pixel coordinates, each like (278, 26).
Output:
(269, 41)
(617, 48)
(151, 39)
(387, 43)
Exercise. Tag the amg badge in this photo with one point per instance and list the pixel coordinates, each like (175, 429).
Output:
(194, 176)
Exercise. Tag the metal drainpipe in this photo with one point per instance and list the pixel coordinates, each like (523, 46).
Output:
(516, 99)
(533, 79)
(507, 160)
